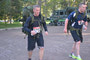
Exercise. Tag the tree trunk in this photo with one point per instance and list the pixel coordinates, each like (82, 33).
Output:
(45, 9)
(39, 3)
(84, 1)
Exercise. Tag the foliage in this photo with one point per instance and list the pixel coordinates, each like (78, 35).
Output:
(12, 9)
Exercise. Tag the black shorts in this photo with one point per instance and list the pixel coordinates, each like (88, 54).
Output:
(77, 35)
(33, 40)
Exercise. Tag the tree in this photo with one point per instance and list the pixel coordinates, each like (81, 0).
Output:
(12, 9)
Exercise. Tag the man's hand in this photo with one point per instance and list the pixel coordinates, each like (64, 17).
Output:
(65, 30)
(84, 27)
(46, 32)
(86, 24)
(33, 32)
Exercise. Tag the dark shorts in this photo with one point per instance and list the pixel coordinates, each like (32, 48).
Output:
(77, 35)
(33, 40)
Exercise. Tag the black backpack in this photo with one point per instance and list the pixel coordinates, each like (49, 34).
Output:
(73, 20)
(26, 12)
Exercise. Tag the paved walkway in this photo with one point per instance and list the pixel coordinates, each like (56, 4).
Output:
(57, 45)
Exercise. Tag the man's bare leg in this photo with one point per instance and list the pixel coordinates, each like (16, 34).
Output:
(30, 54)
(41, 53)
(73, 48)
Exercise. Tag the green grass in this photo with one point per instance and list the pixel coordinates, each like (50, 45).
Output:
(15, 24)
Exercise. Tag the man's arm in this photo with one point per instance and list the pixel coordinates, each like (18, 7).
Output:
(44, 23)
(45, 27)
(86, 23)
(66, 23)
(26, 25)
(70, 17)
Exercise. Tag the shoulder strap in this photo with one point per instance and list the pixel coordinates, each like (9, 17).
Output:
(84, 14)
(32, 21)
(42, 18)
(77, 13)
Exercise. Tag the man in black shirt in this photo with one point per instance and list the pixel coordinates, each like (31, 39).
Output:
(33, 26)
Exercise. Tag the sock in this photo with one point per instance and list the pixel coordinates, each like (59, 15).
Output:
(29, 59)
(73, 54)
(79, 56)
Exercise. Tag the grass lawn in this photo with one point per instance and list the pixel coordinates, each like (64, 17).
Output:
(15, 24)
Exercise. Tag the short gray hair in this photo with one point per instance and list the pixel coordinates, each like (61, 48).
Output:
(81, 4)
(34, 6)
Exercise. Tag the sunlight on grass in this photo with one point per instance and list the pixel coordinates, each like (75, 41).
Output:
(15, 24)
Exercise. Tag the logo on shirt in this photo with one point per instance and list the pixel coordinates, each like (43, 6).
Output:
(74, 14)
(80, 22)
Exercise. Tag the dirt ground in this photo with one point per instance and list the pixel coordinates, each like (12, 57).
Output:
(58, 45)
